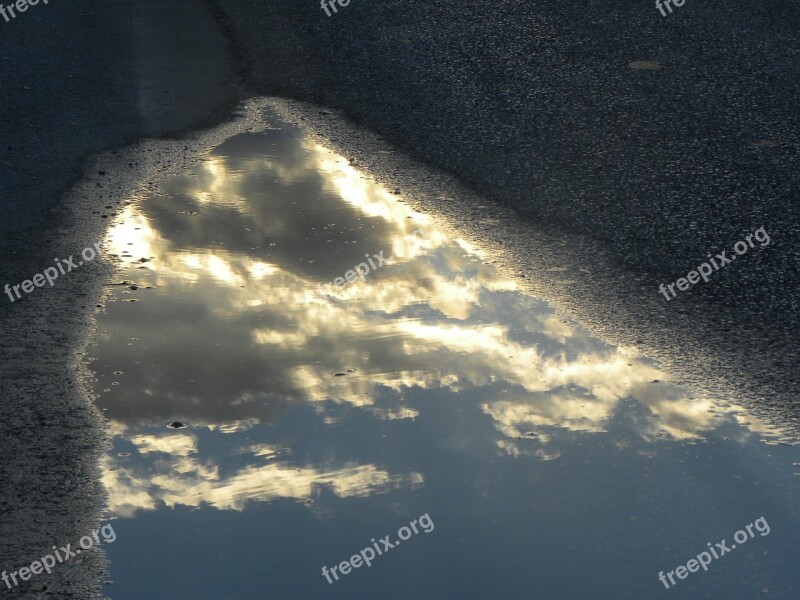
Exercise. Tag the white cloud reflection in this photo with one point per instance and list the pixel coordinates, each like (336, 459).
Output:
(176, 478)
(236, 286)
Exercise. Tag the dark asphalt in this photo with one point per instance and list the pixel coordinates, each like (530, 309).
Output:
(78, 78)
(75, 79)
(535, 106)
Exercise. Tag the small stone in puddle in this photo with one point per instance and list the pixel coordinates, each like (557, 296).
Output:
(124, 454)
(645, 65)
(176, 425)
(766, 144)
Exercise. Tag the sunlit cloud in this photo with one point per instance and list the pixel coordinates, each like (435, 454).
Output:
(186, 481)
(176, 444)
(237, 331)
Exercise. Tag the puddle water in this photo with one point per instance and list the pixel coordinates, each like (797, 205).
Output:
(267, 422)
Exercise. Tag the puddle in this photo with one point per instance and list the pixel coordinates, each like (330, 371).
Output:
(275, 405)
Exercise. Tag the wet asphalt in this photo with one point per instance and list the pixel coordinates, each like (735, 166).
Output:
(75, 79)
(535, 106)
(660, 140)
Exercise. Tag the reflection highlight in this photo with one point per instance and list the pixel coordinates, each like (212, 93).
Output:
(234, 336)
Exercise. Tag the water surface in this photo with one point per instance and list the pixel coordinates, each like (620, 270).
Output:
(552, 464)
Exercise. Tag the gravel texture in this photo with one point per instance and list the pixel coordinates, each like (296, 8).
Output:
(659, 140)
